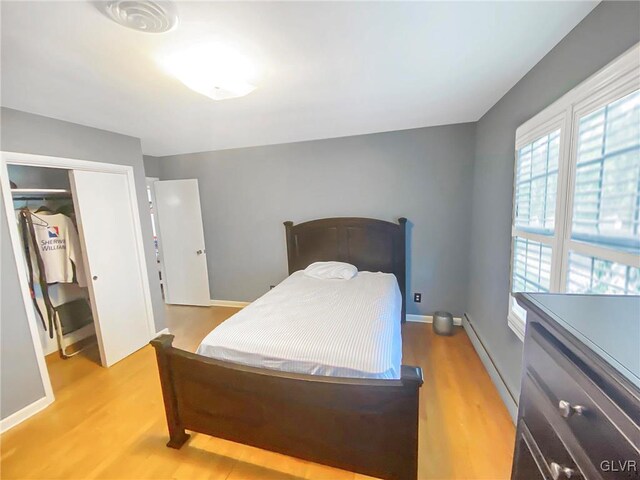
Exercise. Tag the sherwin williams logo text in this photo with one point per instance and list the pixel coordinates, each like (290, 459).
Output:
(54, 243)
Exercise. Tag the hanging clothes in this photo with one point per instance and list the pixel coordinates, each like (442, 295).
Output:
(59, 247)
(25, 231)
(29, 238)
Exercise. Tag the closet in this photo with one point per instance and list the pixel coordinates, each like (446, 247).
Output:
(53, 257)
(80, 256)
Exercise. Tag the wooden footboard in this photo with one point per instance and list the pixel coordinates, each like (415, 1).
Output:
(365, 426)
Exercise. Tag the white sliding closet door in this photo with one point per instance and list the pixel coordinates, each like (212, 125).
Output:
(104, 209)
(182, 242)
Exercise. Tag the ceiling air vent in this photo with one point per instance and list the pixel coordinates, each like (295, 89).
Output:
(142, 15)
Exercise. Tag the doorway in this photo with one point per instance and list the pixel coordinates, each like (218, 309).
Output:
(180, 228)
(151, 197)
(105, 208)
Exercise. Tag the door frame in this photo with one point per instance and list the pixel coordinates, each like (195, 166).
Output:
(27, 159)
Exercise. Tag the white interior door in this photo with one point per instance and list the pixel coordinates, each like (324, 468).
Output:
(184, 257)
(104, 209)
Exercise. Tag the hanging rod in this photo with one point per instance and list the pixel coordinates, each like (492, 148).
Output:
(39, 193)
(42, 191)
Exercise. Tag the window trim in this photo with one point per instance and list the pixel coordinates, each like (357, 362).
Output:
(617, 79)
(516, 323)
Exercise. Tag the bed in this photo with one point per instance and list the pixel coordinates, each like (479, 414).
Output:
(282, 395)
(331, 327)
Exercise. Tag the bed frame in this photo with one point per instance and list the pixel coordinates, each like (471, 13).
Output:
(362, 425)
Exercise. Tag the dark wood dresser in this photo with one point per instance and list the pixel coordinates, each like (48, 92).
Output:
(579, 409)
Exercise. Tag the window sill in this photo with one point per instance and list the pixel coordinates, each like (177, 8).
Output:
(517, 325)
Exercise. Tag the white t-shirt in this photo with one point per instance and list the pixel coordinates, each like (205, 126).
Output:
(59, 248)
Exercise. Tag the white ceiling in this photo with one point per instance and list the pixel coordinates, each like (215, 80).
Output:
(329, 69)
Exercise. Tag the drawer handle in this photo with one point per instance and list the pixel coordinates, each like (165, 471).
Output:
(566, 409)
(558, 471)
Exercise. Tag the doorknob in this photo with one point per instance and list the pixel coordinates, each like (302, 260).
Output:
(95, 277)
(199, 252)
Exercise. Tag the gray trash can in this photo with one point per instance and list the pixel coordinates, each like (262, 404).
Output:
(443, 323)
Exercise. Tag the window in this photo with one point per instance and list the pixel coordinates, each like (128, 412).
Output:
(576, 205)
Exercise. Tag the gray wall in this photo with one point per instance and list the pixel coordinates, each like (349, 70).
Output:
(20, 382)
(151, 166)
(27, 133)
(422, 174)
(609, 30)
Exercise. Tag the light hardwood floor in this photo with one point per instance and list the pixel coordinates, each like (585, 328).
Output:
(109, 423)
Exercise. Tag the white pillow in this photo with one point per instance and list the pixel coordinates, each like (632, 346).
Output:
(335, 270)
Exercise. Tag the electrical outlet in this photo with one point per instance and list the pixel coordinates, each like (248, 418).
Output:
(417, 297)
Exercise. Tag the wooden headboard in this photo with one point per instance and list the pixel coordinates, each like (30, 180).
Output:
(369, 244)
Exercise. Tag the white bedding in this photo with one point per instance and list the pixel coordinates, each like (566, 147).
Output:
(339, 328)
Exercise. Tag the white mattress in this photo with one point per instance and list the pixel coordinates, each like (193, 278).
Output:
(338, 328)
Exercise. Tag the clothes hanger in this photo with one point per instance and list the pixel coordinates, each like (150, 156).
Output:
(40, 223)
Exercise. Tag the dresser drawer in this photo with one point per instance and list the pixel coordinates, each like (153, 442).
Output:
(530, 464)
(553, 450)
(606, 435)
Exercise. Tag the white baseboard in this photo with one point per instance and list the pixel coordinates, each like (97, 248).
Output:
(21, 415)
(507, 398)
(162, 332)
(228, 303)
(429, 319)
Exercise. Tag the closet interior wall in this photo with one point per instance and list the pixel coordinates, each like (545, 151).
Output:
(43, 205)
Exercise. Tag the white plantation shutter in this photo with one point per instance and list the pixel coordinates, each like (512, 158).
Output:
(607, 193)
(531, 266)
(576, 205)
(537, 184)
(588, 274)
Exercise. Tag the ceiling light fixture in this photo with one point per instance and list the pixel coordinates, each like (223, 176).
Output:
(143, 15)
(214, 70)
